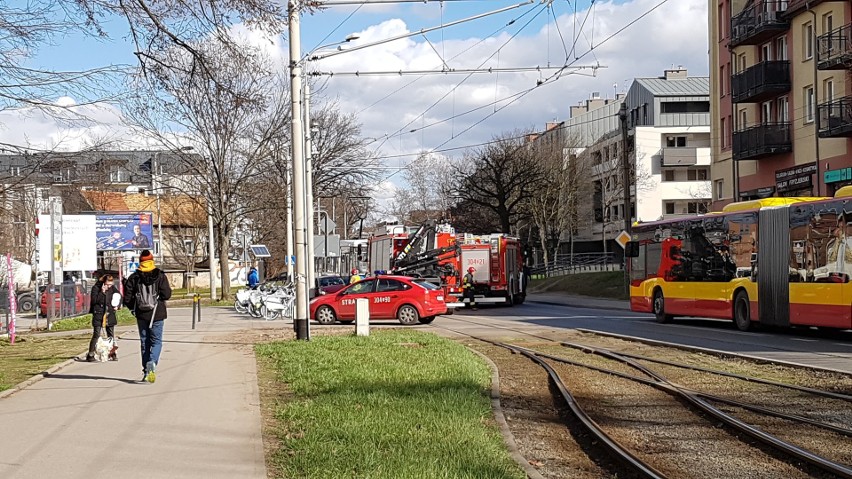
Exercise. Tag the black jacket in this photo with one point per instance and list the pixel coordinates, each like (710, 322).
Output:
(100, 304)
(164, 292)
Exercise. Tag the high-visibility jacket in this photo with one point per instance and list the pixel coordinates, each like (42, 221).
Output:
(354, 278)
(467, 281)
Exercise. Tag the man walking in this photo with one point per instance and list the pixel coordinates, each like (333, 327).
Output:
(146, 293)
(467, 287)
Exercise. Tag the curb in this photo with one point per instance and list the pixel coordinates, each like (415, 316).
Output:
(715, 352)
(508, 438)
(585, 306)
(39, 376)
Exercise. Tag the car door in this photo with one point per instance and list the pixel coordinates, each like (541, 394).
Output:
(387, 298)
(346, 303)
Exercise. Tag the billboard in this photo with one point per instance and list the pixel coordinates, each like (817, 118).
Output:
(124, 232)
(75, 250)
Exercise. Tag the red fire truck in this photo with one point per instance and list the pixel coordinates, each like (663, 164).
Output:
(499, 267)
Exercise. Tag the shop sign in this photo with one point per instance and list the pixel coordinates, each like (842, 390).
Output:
(833, 176)
(795, 178)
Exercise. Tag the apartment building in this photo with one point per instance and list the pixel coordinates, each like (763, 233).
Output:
(780, 98)
(668, 143)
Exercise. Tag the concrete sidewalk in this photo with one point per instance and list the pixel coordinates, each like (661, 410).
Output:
(90, 420)
(576, 301)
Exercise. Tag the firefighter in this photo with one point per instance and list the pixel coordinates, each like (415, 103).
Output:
(467, 286)
(355, 276)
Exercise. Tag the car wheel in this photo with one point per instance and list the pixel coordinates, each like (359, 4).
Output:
(408, 315)
(742, 311)
(325, 315)
(660, 308)
(427, 320)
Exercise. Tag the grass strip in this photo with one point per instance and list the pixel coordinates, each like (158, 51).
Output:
(394, 404)
(123, 315)
(31, 355)
(604, 284)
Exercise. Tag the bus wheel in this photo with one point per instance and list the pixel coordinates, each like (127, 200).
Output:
(660, 308)
(742, 311)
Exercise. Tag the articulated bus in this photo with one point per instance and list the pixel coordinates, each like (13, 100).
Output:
(776, 261)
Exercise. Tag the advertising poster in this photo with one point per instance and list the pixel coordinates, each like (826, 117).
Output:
(78, 239)
(76, 248)
(125, 232)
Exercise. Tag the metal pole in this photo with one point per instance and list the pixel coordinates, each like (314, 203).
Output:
(625, 179)
(299, 196)
(211, 251)
(159, 214)
(309, 186)
(194, 309)
(814, 55)
(289, 223)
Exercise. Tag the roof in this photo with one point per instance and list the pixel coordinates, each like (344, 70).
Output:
(690, 86)
(176, 210)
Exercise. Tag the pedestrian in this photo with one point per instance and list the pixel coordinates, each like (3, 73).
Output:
(103, 314)
(467, 286)
(146, 293)
(355, 276)
(253, 278)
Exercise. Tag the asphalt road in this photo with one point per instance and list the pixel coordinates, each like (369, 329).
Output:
(826, 349)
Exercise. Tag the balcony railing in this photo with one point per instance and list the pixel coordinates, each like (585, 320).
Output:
(684, 156)
(761, 81)
(834, 49)
(835, 118)
(759, 22)
(762, 140)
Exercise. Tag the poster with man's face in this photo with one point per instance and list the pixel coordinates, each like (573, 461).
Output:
(125, 232)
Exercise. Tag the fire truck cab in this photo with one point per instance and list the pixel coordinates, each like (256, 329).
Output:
(499, 267)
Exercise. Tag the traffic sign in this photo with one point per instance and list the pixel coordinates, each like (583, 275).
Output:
(623, 238)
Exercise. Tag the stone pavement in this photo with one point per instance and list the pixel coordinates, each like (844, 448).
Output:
(90, 420)
(563, 299)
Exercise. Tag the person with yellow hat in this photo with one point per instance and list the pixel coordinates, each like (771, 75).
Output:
(146, 293)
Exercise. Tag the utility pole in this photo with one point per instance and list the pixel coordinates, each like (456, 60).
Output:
(211, 251)
(297, 135)
(309, 187)
(625, 167)
(290, 223)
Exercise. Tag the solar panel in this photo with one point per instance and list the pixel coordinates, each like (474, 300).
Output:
(260, 251)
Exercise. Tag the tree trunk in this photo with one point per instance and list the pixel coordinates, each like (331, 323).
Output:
(224, 267)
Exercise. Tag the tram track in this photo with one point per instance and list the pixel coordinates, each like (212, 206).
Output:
(713, 408)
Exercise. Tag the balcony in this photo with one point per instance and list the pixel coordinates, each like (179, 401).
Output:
(835, 118)
(762, 140)
(683, 156)
(834, 49)
(759, 22)
(761, 82)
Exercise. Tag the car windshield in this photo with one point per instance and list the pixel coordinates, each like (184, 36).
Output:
(425, 284)
(331, 281)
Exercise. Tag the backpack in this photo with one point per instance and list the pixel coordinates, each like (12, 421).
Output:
(146, 296)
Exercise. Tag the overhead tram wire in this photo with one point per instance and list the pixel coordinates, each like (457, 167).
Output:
(401, 130)
(342, 22)
(524, 93)
(452, 71)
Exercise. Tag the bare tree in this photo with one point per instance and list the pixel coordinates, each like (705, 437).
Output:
(233, 121)
(500, 177)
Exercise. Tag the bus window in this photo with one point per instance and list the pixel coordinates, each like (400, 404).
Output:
(637, 265)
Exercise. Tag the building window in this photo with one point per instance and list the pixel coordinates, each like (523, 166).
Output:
(670, 207)
(720, 185)
(783, 109)
(722, 22)
(766, 52)
(827, 23)
(724, 130)
(675, 141)
(808, 39)
(722, 80)
(781, 48)
(696, 174)
(189, 247)
(156, 247)
(809, 104)
(668, 175)
(743, 119)
(828, 89)
(694, 207)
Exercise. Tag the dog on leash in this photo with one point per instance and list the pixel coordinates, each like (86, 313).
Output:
(106, 350)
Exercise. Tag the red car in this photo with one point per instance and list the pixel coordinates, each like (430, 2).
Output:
(407, 299)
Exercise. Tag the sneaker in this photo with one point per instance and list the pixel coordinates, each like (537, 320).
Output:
(144, 377)
(152, 375)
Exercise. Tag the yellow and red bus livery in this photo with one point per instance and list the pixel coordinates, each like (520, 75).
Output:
(776, 261)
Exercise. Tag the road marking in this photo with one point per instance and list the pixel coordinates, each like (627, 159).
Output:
(843, 344)
(804, 340)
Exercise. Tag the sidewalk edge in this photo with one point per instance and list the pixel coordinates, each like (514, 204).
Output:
(47, 372)
(577, 305)
(500, 418)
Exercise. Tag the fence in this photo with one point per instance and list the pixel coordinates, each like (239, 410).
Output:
(577, 263)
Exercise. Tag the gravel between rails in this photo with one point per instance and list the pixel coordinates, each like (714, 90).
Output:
(546, 433)
(666, 433)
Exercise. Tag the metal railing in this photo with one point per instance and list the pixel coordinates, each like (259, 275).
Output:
(834, 49)
(762, 140)
(758, 21)
(760, 81)
(835, 118)
(577, 263)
